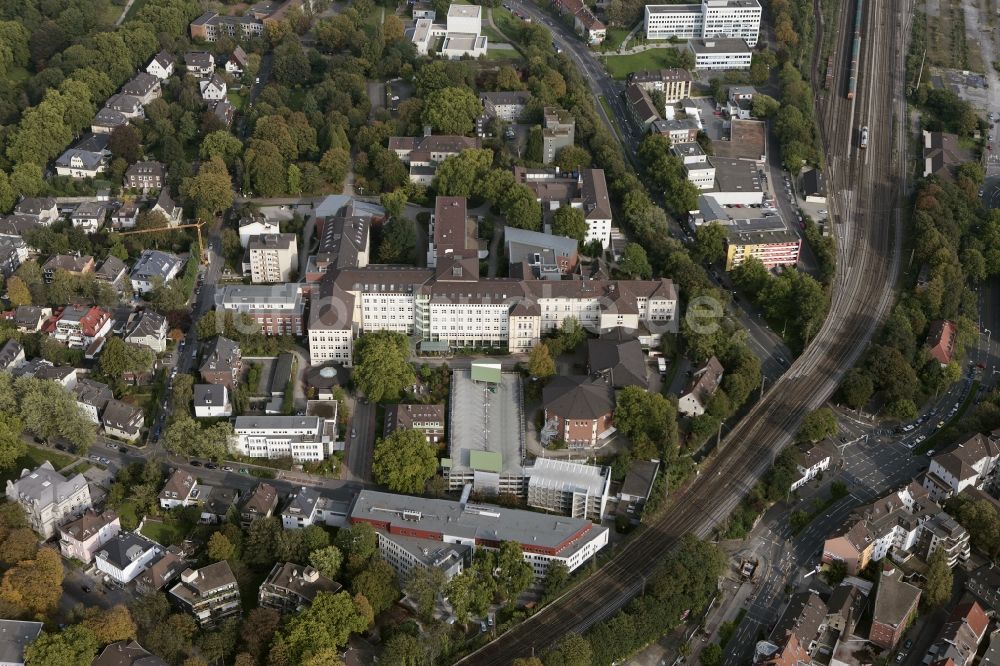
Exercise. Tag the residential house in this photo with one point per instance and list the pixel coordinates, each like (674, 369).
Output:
(89, 216)
(127, 653)
(617, 357)
(237, 62)
(211, 401)
(154, 268)
(813, 460)
(637, 486)
(787, 652)
(273, 258)
(74, 264)
(77, 326)
(122, 420)
(107, 121)
(984, 584)
(63, 375)
(178, 490)
(302, 509)
(507, 106)
(161, 66)
(199, 63)
(112, 271)
(252, 226)
(895, 605)
(675, 84)
(80, 539)
(428, 419)
(423, 155)
(48, 498)
(941, 339)
(216, 501)
(221, 362)
(148, 329)
(211, 593)
(125, 556)
(166, 207)
(146, 176)
(144, 86)
(704, 383)
(943, 155)
(43, 210)
(558, 132)
(578, 409)
(92, 397)
(290, 588)
(213, 89)
(302, 438)
(805, 617)
(127, 105)
(11, 355)
(80, 163)
(223, 110)
(160, 573)
(15, 636)
(10, 256)
(960, 637)
(260, 503)
(29, 318)
(125, 216)
(971, 463)
(584, 22)
(640, 106)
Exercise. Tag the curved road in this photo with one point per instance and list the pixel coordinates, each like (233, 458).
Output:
(867, 241)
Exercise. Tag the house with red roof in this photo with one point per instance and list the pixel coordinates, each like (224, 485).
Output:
(960, 637)
(79, 325)
(941, 339)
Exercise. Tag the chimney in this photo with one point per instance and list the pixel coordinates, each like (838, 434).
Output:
(310, 575)
(427, 130)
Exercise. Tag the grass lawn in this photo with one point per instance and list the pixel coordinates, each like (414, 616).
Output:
(501, 54)
(82, 467)
(236, 98)
(614, 39)
(34, 457)
(166, 533)
(620, 66)
(128, 514)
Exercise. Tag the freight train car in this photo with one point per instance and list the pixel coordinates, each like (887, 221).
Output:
(852, 81)
(829, 73)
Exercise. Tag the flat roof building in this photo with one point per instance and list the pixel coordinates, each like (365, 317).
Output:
(572, 489)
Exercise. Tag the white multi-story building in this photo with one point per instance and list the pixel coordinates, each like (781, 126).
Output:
(301, 438)
(587, 190)
(48, 497)
(273, 258)
(971, 464)
(813, 460)
(256, 226)
(738, 19)
(416, 522)
(720, 54)
(569, 488)
(125, 556)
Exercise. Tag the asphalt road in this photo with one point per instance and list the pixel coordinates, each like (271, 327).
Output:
(361, 441)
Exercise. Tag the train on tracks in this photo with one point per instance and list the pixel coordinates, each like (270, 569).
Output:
(852, 81)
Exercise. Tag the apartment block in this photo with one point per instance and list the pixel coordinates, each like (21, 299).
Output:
(558, 131)
(279, 309)
(210, 26)
(543, 538)
(970, 464)
(301, 438)
(675, 83)
(586, 190)
(290, 588)
(211, 594)
(720, 54)
(773, 248)
(424, 154)
(272, 258)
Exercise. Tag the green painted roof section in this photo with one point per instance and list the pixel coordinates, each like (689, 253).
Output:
(486, 461)
(486, 372)
(446, 463)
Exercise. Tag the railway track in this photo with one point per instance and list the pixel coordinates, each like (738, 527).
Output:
(865, 197)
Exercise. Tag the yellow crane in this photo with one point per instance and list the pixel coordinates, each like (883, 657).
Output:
(192, 225)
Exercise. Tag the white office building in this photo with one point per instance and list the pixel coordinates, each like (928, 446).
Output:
(572, 489)
(301, 438)
(720, 54)
(712, 19)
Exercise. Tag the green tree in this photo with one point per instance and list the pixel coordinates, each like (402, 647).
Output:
(424, 585)
(111, 625)
(119, 357)
(751, 276)
(460, 175)
(709, 243)
(8, 195)
(12, 446)
(265, 168)
(327, 561)
(381, 368)
(404, 650)
(470, 592)
(556, 577)
(634, 263)
(394, 203)
(72, 646)
(817, 424)
(221, 144)
(571, 650)
(711, 655)
(513, 575)
(452, 110)
(570, 222)
(857, 388)
(377, 584)
(18, 292)
(325, 624)
(334, 165)
(572, 158)
(49, 410)
(937, 591)
(358, 543)
(540, 362)
(398, 244)
(404, 461)
(211, 191)
(220, 548)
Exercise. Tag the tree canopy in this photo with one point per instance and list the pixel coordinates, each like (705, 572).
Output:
(381, 366)
(404, 461)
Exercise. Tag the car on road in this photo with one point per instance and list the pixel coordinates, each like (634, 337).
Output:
(227, 468)
(900, 656)
(918, 440)
(908, 644)
(823, 211)
(95, 458)
(930, 454)
(87, 589)
(105, 461)
(210, 465)
(244, 470)
(195, 463)
(940, 424)
(354, 433)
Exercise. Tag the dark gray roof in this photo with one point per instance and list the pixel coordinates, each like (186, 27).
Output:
(639, 480)
(282, 373)
(147, 323)
(165, 202)
(263, 499)
(577, 397)
(198, 59)
(288, 578)
(10, 350)
(141, 84)
(17, 225)
(147, 169)
(302, 503)
(153, 263)
(89, 524)
(90, 209)
(90, 160)
(127, 653)
(206, 579)
(15, 635)
(164, 58)
(220, 355)
(109, 118)
(45, 485)
(125, 548)
(219, 500)
(93, 393)
(209, 395)
(111, 269)
(34, 205)
(121, 416)
(621, 360)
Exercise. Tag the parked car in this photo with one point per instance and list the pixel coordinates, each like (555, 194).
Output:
(227, 468)
(195, 463)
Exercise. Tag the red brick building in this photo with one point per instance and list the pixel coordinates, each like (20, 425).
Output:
(941, 339)
(578, 409)
(895, 605)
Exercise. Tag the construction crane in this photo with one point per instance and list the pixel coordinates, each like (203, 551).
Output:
(193, 225)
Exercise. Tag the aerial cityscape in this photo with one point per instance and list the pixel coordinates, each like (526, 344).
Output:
(518, 333)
